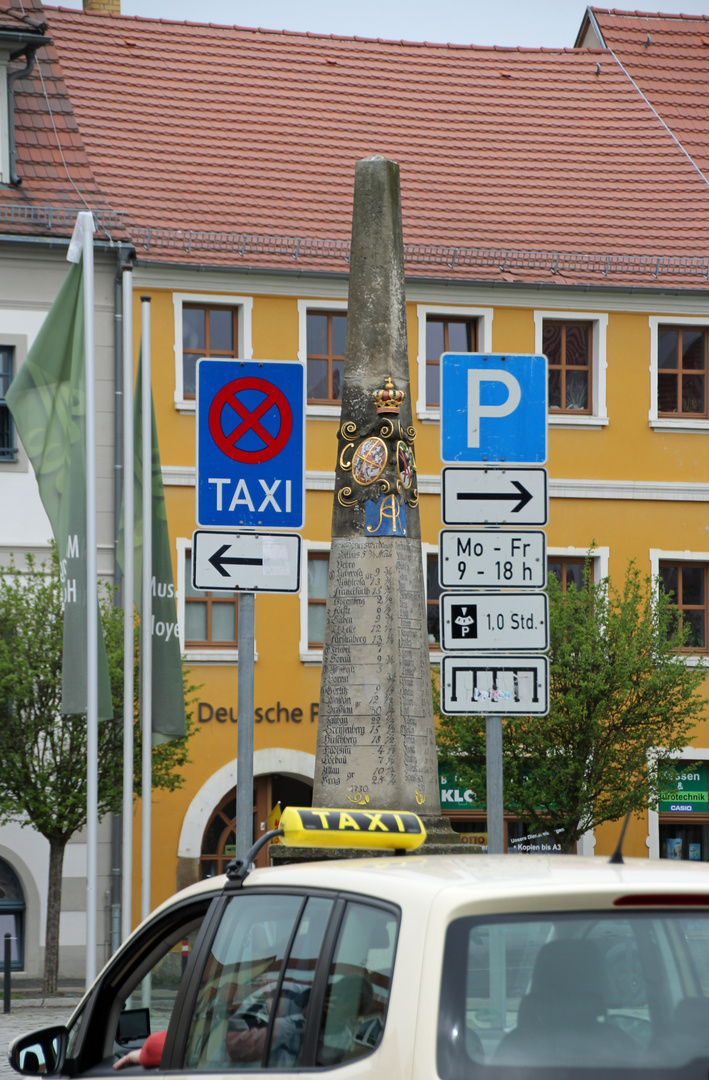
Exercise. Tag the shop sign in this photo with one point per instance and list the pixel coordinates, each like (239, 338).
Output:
(454, 794)
(688, 793)
(478, 839)
(543, 843)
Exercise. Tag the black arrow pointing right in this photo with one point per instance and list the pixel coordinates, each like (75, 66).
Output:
(218, 561)
(522, 496)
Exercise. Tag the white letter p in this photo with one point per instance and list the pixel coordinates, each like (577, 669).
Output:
(476, 410)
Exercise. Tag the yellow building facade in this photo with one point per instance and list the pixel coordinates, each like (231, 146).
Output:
(628, 476)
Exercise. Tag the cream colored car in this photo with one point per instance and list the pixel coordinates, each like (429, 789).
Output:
(410, 967)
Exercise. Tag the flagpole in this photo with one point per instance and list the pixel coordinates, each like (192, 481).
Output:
(86, 222)
(146, 637)
(128, 591)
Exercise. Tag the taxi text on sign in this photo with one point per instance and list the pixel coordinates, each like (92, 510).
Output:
(250, 444)
(493, 408)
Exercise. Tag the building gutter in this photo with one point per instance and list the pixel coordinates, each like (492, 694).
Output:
(470, 282)
(51, 242)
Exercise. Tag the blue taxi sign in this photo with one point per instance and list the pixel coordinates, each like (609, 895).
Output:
(250, 444)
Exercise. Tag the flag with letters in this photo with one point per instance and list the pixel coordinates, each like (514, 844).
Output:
(47, 399)
(168, 700)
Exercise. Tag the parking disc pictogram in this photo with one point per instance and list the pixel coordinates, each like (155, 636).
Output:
(250, 444)
(246, 431)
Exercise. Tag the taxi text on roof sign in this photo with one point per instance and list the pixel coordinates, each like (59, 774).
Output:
(395, 829)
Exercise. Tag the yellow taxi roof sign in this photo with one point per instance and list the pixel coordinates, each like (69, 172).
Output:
(315, 827)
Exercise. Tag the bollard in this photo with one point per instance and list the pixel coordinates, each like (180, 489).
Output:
(7, 961)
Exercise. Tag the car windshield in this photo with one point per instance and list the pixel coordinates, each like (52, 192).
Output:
(575, 993)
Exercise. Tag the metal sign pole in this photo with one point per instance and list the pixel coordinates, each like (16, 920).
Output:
(495, 808)
(245, 726)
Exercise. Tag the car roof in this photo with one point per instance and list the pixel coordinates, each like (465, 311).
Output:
(464, 877)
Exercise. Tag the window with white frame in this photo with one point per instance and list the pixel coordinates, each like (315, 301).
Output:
(446, 329)
(433, 592)
(684, 575)
(686, 582)
(314, 569)
(574, 343)
(8, 450)
(13, 350)
(322, 328)
(207, 326)
(567, 565)
(679, 382)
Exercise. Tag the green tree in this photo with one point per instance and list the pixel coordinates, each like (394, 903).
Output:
(620, 687)
(42, 753)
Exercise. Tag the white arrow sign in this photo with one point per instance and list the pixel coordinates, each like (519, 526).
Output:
(487, 622)
(492, 558)
(494, 496)
(495, 685)
(248, 562)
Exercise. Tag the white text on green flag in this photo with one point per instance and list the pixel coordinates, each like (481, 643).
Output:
(47, 400)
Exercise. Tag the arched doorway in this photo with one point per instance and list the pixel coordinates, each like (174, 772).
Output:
(219, 839)
(12, 917)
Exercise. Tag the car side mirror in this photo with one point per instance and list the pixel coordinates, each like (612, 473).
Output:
(40, 1053)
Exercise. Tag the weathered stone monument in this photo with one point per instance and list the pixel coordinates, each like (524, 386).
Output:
(375, 744)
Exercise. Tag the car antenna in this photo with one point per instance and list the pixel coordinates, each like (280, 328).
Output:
(617, 856)
(238, 869)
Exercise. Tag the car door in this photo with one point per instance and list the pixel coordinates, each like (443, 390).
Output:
(134, 995)
(276, 980)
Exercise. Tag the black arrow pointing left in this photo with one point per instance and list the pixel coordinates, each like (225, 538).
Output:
(219, 561)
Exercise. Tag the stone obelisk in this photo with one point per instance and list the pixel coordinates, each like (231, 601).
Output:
(375, 743)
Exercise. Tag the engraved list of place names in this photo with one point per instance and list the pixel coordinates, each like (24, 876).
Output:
(374, 732)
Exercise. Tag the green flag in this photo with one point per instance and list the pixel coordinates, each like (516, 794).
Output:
(168, 693)
(47, 400)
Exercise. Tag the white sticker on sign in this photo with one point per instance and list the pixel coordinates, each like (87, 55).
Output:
(275, 557)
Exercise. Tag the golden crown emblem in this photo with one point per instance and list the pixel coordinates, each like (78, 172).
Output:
(388, 400)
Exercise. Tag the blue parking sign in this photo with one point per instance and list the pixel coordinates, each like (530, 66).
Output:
(250, 444)
(493, 408)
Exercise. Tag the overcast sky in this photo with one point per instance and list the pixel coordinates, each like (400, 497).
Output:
(552, 23)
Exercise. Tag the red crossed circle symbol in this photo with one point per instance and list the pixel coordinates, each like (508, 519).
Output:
(250, 420)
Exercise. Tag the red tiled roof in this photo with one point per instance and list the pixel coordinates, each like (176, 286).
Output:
(668, 58)
(203, 129)
(52, 163)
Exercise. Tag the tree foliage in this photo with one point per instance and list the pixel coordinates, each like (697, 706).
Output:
(42, 753)
(621, 688)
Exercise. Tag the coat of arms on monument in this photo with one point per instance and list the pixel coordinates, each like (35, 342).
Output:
(379, 458)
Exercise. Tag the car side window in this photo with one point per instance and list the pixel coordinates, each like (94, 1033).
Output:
(241, 978)
(149, 1006)
(294, 999)
(292, 981)
(359, 982)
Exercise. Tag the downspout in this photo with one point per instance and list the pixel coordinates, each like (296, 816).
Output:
(123, 257)
(11, 80)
